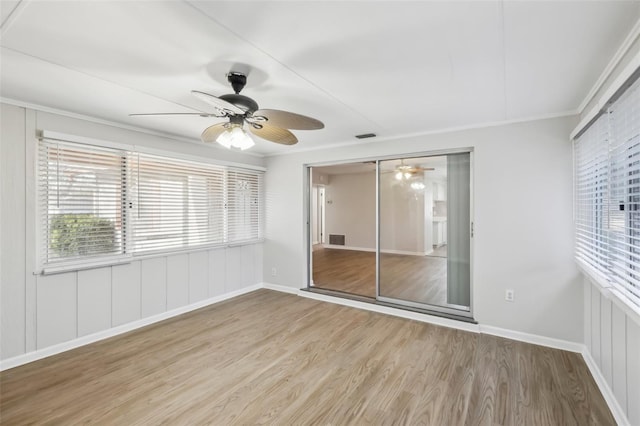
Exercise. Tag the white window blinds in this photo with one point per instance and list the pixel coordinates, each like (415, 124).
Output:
(244, 213)
(607, 192)
(81, 198)
(176, 203)
(591, 189)
(624, 208)
(98, 204)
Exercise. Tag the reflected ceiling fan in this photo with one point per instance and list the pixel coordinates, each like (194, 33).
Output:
(405, 171)
(270, 124)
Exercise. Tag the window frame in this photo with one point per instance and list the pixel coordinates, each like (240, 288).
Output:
(613, 205)
(130, 253)
(44, 215)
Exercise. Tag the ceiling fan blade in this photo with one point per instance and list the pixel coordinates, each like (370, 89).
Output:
(288, 120)
(211, 133)
(275, 134)
(223, 107)
(201, 114)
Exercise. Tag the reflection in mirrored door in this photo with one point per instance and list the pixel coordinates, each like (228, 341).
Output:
(424, 232)
(343, 228)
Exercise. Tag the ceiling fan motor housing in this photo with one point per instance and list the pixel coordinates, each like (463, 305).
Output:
(243, 102)
(238, 80)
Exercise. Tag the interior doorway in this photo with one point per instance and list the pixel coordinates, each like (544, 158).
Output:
(394, 230)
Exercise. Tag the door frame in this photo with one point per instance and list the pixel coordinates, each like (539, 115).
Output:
(307, 190)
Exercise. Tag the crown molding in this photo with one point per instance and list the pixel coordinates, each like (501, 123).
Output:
(401, 136)
(50, 110)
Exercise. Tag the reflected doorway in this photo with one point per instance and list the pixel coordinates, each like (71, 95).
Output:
(344, 206)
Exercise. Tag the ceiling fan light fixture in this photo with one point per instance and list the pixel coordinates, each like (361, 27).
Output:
(235, 138)
(418, 186)
(403, 174)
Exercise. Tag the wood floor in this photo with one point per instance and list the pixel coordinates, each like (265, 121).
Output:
(273, 358)
(440, 251)
(420, 279)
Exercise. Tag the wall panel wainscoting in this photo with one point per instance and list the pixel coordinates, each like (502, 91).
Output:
(76, 308)
(270, 357)
(612, 340)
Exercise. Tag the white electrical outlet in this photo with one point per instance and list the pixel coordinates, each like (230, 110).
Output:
(509, 295)
(274, 271)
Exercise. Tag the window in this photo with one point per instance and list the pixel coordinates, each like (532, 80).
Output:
(82, 194)
(243, 206)
(607, 191)
(100, 205)
(176, 203)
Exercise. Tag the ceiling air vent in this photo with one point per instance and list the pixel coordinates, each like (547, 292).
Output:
(366, 135)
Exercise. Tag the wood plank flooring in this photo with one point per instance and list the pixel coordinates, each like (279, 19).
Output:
(272, 358)
(420, 279)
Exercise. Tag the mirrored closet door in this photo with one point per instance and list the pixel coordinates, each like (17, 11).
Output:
(396, 231)
(424, 232)
(343, 228)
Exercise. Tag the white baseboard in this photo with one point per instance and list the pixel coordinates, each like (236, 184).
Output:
(114, 331)
(535, 339)
(281, 288)
(338, 247)
(431, 319)
(410, 253)
(608, 395)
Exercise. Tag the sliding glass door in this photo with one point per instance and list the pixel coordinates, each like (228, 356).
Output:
(424, 232)
(395, 230)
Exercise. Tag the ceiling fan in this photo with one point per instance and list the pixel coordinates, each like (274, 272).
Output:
(405, 171)
(270, 124)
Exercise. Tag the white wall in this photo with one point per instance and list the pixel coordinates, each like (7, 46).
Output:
(319, 178)
(523, 221)
(350, 209)
(41, 311)
(402, 217)
(13, 273)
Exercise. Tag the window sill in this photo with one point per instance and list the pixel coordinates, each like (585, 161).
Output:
(610, 292)
(61, 269)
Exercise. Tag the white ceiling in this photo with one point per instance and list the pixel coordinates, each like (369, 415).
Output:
(386, 67)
